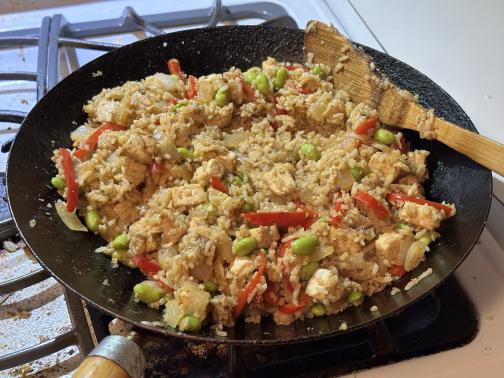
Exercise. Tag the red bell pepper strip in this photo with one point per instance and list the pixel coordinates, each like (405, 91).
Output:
(172, 101)
(68, 172)
(191, 93)
(280, 218)
(250, 287)
(218, 184)
(149, 268)
(92, 140)
(174, 67)
(280, 111)
(371, 202)
(304, 90)
(290, 67)
(283, 248)
(364, 127)
(248, 91)
(291, 308)
(395, 197)
(397, 270)
(270, 296)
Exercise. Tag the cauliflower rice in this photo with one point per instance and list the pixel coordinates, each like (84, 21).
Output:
(245, 195)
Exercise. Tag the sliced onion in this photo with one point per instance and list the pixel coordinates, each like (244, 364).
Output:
(307, 196)
(321, 252)
(168, 83)
(71, 220)
(81, 133)
(345, 180)
(414, 255)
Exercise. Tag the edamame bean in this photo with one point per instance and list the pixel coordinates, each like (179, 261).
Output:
(308, 270)
(401, 226)
(355, 297)
(262, 83)
(318, 309)
(245, 246)
(178, 105)
(237, 180)
(305, 245)
(120, 242)
(92, 219)
(147, 293)
(309, 151)
(247, 206)
(58, 182)
(279, 80)
(357, 173)
(210, 286)
(185, 153)
(222, 96)
(384, 136)
(122, 256)
(317, 70)
(251, 74)
(190, 323)
(426, 238)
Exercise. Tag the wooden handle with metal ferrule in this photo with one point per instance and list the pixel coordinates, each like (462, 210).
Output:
(115, 357)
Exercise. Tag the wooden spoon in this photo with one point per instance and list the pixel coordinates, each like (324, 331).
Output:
(353, 72)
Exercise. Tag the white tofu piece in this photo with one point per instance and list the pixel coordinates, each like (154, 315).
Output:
(280, 180)
(322, 283)
(421, 215)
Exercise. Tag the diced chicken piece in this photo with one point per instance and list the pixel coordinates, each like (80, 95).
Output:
(416, 161)
(135, 172)
(221, 308)
(171, 231)
(188, 195)
(387, 165)
(127, 212)
(421, 215)
(242, 266)
(323, 283)
(192, 299)
(265, 236)
(208, 169)
(393, 246)
(280, 180)
(139, 148)
(343, 240)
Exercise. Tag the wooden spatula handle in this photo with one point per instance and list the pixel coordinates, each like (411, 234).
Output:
(483, 150)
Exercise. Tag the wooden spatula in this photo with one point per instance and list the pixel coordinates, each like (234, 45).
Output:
(353, 71)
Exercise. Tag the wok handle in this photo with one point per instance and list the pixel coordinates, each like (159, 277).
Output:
(115, 357)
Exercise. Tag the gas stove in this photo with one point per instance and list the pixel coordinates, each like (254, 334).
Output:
(42, 322)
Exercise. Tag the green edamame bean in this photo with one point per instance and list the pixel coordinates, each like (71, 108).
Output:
(120, 242)
(185, 153)
(384, 136)
(210, 286)
(262, 83)
(318, 309)
(58, 182)
(355, 297)
(279, 80)
(222, 96)
(190, 323)
(245, 246)
(147, 293)
(309, 151)
(305, 245)
(178, 105)
(425, 238)
(251, 74)
(247, 206)
(237, 180)
(317, 70)
(308, 270)
(401, 226)
(92, 219)
(357, 173)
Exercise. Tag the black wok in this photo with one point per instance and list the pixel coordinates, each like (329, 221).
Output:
(70, 256)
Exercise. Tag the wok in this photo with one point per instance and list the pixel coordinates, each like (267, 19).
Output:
(70, 257)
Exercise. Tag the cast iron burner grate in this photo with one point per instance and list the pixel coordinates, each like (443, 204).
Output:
(445, 319)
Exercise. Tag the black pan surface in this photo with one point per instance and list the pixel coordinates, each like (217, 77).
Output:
(70, 256)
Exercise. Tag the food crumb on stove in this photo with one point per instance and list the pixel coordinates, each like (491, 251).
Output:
(10, 246)
(97, 73)
(489, 318)
(24, 101)
(373, 308)
(343, 326)
(416, 280)
(219, 330)
(32, 223)
(49, 205)
(42, 338)
(395, 290)
(165, 44)
(105, 282)
(267, 333)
